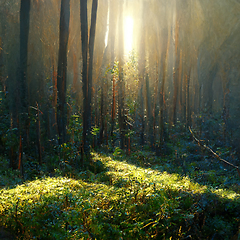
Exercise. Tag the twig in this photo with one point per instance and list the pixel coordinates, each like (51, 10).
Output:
(211, 151)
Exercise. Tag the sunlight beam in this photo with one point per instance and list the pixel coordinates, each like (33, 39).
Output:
(128, 34)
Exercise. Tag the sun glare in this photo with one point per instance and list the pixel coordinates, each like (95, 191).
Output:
(128, 34)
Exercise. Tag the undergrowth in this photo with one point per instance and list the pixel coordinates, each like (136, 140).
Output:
(126, 199)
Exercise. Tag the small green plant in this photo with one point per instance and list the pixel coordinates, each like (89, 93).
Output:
(95, 131)
(117, 152)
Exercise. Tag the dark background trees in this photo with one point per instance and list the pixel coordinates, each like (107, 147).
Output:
(183, 70)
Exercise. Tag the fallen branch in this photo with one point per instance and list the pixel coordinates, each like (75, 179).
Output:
(200, 143)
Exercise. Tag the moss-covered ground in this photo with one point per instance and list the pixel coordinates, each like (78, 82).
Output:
(140, 196)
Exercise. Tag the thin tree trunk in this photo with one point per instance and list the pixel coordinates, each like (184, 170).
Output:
(162, 102)
(175, 75)
(84, 39)
(142, 117)
(111, 42)
(121, 112)
(180, 85)
(102, 125)
(188, 109)
(141, 65)
(113, 107)
(155, 106)
(149, 112)
(38, 127)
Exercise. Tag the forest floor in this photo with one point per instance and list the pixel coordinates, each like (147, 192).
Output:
(186, 194)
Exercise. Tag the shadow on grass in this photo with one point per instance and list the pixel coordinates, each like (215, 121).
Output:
(113, 203)
(216, 211)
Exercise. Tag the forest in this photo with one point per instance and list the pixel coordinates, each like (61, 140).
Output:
(119, 119)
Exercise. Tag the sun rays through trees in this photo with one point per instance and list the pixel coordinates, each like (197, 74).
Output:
(121, 77)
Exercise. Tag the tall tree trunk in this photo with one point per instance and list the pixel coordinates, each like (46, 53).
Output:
(142, 116)
(188, 108)
(2, 81)
(24, 36)
(180, 87)
(175, 74)
(100, 82)
(141, 65)
(155, 113)
(121, 112)
(149, 112)
(22, 96)
(111, 42)
(162, 103)
(84, 38)
(113, 111)
(184, 89)
(87, 69)
(62, 69)
(102, 112)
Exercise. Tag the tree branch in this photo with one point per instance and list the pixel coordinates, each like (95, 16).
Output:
(200, 143)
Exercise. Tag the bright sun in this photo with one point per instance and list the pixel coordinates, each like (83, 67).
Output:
(128, 34)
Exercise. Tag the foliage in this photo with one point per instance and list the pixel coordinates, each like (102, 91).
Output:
(124, 199)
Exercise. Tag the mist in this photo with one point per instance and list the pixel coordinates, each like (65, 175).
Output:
(155, 64)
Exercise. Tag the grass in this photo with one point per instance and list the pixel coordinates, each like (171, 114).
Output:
(128, 200)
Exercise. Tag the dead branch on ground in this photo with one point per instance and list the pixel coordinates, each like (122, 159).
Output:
(202, 144)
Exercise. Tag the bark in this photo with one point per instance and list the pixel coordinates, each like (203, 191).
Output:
(141, 78)
(102, 112)
(149, 113)
(87, 69)
(84, 39)
(113, 111)
(162, 102)
(175, 75)
(24, 36)
(121, 112)
(155, 105)
(111, 42)
(62, 69)
(21, 99)
(38, 128)
(180, 87)
(188, 108)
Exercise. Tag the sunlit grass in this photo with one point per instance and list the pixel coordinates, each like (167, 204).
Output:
(125, 202)
(162, 179)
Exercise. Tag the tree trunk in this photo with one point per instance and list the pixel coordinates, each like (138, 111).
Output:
(175, 75)
(141, 65)
(149, 112)
(102, 112)
(188, 109)
(87, 69)
(111, 42)
(84, 38)
(24, 34)
(162, 103)
(62, 69)
(22, 89)
(121, 112)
